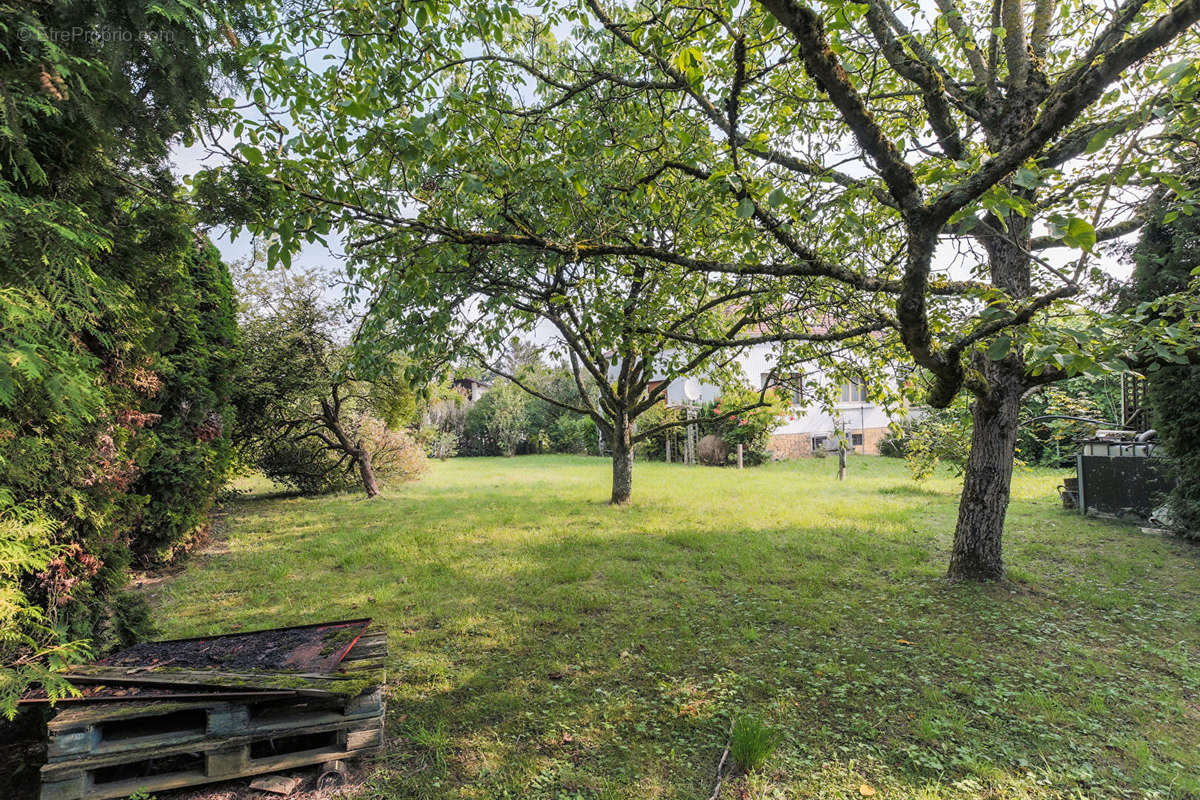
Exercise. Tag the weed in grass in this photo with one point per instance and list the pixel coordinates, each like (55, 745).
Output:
(752, 742)
(435, 740)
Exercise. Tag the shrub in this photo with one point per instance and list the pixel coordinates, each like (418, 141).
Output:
(752, 742)
(395, 454)
(1165, 257)
(30, 647)
(712, 450)
(751, 429)
(573, 433)
(191, 450)
(447, 415)
(893, 445)
(497, 423)
(1052, 442)
(655, 447)
(442, 444)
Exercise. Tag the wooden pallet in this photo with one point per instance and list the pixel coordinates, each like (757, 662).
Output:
(111, 750)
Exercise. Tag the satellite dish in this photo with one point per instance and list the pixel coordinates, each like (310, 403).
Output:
(691, 389)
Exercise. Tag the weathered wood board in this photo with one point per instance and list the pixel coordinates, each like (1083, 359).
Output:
(110, 750)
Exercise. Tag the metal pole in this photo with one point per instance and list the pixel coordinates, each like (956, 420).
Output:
(691, 436)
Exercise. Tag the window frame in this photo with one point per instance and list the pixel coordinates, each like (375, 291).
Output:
(853, 391)
(794, 382)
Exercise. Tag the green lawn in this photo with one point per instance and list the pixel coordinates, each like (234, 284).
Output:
(546, 645)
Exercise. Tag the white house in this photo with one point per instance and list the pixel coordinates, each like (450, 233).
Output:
(808, 427)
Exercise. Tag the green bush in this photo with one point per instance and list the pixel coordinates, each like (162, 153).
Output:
(509, 421)
(1165, 258)
(30, 648)
(191, 453)
(114, 320)
(894, 445)
(575, 434)
(751, 429)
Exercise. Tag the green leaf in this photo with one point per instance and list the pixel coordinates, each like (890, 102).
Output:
(999, 348)
(1080, 233)
(1026, 178)
(745, 209)
(1099, 139)
(251, 153)
(775, 198)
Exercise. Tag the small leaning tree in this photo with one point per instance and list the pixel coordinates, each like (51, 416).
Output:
(880, 160)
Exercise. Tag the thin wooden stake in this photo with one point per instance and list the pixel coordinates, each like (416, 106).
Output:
(720, 777)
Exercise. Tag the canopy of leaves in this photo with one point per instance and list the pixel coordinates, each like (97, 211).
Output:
(834, 148)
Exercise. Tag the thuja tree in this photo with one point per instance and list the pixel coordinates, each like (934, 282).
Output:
(1167, 257)
(894, 165)
(115, 318)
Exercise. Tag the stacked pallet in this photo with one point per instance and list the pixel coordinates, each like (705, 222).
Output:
(227, 724)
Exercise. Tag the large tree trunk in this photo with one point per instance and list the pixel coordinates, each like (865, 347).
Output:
(977, 553)
(366, 472)
(622, 462)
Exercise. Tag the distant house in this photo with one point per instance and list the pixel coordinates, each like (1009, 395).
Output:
(808, 427)
(471, 388)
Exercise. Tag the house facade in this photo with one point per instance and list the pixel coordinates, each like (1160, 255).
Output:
(808, 426)
(471, 388)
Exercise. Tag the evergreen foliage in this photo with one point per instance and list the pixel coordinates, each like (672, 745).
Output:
(1167, 258)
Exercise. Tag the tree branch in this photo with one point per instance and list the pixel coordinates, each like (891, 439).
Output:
(809, 31)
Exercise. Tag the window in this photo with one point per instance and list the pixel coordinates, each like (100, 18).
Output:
(854, 391)
(856, 440)
(790, 384)
(818, 443)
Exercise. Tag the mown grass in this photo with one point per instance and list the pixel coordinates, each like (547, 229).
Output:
(547, 645)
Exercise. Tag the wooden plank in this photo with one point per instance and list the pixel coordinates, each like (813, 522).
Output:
(371, 737)
(223, 720)
(371, 643)
(366, 703)
(307, 685)
(67, 789)
(283, 681)
(307, 626)
(68, 744)
(179, 780)
(79, 716)
(331, 722)
(228, 762)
